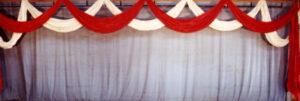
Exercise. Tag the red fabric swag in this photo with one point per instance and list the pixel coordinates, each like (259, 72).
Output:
(187, 25)
(105, 25)
(293, 82)
(28, 26)
(259, 26)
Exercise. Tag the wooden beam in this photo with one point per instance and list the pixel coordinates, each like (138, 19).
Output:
(241, 1)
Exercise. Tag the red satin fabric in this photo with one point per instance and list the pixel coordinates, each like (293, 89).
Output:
(187, 25)
(28, 26)
(105, 25)
(293, 82)
(259, 26)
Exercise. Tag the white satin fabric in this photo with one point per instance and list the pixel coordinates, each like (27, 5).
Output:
(272, 37)
(72, 24)
(147, 25)
(224, 25)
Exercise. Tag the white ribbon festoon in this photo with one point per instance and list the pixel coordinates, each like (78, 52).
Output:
(223, 25)
(146, 25)
(143, 25)
(272, 37)
(16, 36)
(67, 25)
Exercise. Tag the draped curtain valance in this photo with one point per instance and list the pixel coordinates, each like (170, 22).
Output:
(69, 25)
(203, 19)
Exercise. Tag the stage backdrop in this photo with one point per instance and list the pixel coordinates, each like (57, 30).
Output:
(132, 65)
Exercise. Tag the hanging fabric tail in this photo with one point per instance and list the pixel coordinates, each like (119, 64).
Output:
(294, 59)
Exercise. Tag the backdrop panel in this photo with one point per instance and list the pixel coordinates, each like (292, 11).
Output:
(131, 65)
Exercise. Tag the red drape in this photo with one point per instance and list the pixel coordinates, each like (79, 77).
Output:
(293, 82)
(28, 26)
(105, 25)
(187, 25)
(202, 21)
(259, 26)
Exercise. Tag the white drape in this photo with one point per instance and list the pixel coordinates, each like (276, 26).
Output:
(155, 65)
(273, 37)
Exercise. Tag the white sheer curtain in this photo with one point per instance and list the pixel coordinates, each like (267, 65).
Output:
(131, 65)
